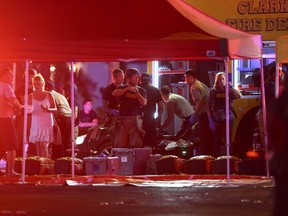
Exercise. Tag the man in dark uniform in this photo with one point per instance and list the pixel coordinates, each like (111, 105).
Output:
(154, 98)
(132, 98)
(199, 95)
(110, 103)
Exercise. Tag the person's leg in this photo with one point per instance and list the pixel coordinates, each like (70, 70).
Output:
(136, 133)
(19, 131)
(32, 150)
(38, 148)
(149, 126)
(11, 155)
(8, 143)
(64, 124)
(121, 136)
(43, 147)
(217, 136)
(205, 136)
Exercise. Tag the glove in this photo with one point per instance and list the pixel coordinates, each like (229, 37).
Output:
(212, 123)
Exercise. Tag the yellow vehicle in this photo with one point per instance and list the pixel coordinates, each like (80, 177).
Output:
(245, 123)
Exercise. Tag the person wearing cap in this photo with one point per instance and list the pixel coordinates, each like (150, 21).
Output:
(9, 104)
(179, 106)
(132, 98)
(199, 93)
(154, 100)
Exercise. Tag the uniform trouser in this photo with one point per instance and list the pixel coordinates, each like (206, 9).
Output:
(129, 133)
(205, 135)
(64, 124)
(219, 136)
(149, 126)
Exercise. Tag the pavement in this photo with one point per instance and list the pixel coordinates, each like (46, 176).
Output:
(136, 195)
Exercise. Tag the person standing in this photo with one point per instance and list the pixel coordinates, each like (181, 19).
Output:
(199, 94)
(63, 119)
(66, 91)
(269, 88)
(277, 122)
(19, 121)
(110, 103)
(87, 117)
(154, 99)
(132, 98)
(216, 111)
(41, 131)
(179, 106)
(9, 104)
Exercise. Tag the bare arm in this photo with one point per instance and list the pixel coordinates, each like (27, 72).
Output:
(170, 116)
(52, 107)
(142, 100)
(236, 94)
(15, 103)
(160, 112)
(199, 106)
(167, 121)
(76, 112)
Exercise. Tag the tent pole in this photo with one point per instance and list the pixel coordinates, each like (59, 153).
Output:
(226, 59)
(72, 119)
(278, 66)
(264, 111)
(25, 120)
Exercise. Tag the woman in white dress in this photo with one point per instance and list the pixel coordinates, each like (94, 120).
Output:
(41, 131)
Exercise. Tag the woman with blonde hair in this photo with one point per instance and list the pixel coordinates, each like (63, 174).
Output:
(41, 131)
(216, 110)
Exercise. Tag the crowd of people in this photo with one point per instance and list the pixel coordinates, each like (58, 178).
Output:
(130, 102)
(135, 102)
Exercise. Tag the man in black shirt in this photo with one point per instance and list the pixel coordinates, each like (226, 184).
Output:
(154, 98)
(131, 99)
(110, 103)
(87, 117)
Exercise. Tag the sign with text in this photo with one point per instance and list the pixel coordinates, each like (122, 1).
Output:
(266, 17)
